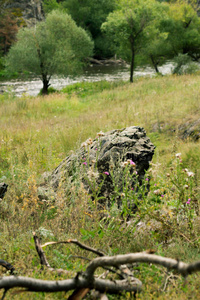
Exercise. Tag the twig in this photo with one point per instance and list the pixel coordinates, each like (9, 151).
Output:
(42, 256)
(4, 294)
(82, 246)
(7, 265)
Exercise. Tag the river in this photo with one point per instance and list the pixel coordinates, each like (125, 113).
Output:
(92, 73)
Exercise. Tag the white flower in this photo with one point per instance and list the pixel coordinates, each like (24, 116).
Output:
(92, 175)
(157, 192)
(190, 174)
(84, 145)
(178, 155)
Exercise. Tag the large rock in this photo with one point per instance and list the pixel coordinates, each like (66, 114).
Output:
(106, 157)
(31, 10)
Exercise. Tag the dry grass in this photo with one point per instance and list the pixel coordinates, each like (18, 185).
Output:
(37, 133)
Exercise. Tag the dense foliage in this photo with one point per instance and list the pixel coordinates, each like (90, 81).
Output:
(141, 32)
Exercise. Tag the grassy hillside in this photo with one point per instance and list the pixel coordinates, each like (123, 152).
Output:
(37, 133)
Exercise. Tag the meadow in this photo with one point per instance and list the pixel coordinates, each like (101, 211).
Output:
(37, 133)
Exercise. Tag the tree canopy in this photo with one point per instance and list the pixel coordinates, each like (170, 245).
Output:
(130, 27)
(55, 46)
(89, 15)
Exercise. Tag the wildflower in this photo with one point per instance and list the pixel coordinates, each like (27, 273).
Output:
(92, 175)
(89, 141)
(178, 155)
(155, 184)
(124, 164)
(157, 192)
(106, 173)
(190, 174)
(162, 196)
(122, 195)
(84, 145)
(131, 162)
(96, 149)
(168, 175)
(84, 163)
(186, 186)
(188, 202)
(100, 133)
(185, 170)
(146, 179)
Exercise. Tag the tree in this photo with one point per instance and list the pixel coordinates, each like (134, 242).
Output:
(183, 28)
(90, 14)
(55, 46)
(8, 31)
(129, 26)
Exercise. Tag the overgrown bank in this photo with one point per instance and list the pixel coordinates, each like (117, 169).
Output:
(37, 133)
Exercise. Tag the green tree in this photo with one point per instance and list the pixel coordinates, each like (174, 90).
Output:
(130, 26)
(183, 29)
(55, 46)
(90, 14)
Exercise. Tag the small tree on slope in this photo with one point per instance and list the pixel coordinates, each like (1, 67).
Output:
(56, 46)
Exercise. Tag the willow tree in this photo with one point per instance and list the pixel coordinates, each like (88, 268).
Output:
(130, 25)
(56, 46)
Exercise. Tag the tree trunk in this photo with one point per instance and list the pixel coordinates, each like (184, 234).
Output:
(45, 84)
(155, 65)
(132, 60)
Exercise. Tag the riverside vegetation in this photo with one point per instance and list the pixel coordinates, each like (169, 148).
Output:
(37, 133)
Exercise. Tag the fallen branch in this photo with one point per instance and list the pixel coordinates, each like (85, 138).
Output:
(87, 279)
(42, 256)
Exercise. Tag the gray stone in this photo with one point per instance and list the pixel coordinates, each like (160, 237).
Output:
(108, 152)
(190, 130)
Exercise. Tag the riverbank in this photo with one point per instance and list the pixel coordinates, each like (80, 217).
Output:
(93, 73)
(37, 133)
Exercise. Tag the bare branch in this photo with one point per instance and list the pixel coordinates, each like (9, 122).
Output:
(183, 268)
(82, 246)
(50, 286)
(42, 256)
(87, 279)
(7, 265)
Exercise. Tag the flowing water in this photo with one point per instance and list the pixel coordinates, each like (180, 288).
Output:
(93, 73)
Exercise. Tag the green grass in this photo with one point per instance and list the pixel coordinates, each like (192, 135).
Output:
(37, 133)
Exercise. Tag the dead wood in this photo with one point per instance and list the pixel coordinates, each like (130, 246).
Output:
(82, 283)
(7, 265)
(82, 246)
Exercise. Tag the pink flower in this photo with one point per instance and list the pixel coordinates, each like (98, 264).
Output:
(188, 202)
(132, 163)
(162, 196)
(85, 163)
(106, 173)
(147, 179)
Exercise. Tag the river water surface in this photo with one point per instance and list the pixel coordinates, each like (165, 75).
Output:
(94, 73)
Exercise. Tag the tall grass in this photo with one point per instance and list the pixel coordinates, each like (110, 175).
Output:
(37, 133)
